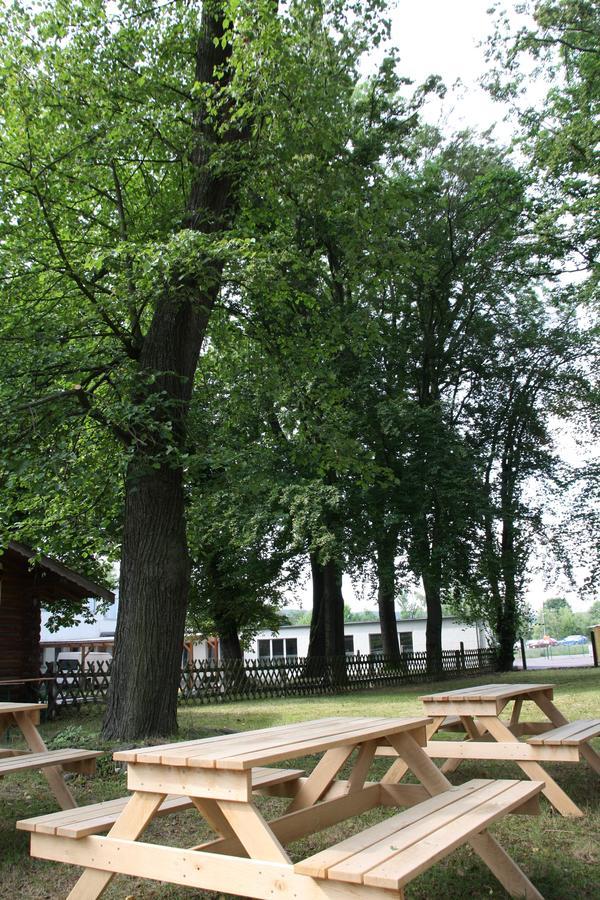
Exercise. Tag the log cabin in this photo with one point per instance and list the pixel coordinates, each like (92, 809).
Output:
(28, 582)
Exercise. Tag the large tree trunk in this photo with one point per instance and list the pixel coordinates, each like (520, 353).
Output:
(386, 585)
(229, 640)
(327, 623)
(429, 552)
(154, 568)
(507, 631)
(316, 641)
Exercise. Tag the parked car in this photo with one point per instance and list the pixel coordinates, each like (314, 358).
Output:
(572, 639)
(546, 641)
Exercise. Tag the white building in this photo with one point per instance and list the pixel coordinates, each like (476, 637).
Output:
(365, 638)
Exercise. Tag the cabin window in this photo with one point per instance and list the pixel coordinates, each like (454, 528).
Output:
(349, 644)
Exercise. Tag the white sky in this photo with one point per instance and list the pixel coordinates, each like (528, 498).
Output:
(441, 37)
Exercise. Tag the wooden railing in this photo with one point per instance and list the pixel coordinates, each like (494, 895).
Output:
(218, 681)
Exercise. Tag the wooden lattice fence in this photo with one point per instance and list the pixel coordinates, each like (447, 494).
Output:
(218, 681)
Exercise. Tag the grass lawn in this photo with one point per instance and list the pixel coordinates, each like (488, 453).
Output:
(561, 856)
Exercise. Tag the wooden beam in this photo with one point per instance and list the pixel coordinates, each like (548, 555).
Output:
(257, 878)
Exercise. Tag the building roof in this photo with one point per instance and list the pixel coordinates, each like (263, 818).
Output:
(368, 622)
(86, 586)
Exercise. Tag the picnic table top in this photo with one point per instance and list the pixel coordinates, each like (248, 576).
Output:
(9, 707)
(243, 750)
(487, 692)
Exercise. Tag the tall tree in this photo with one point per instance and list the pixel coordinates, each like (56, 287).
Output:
(128, 132)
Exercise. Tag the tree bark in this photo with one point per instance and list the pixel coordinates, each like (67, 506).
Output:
(154, 583)
(316, 641)
(327, 622)
(386, 583)
(429, 552)
(507, 631)
(229, 641)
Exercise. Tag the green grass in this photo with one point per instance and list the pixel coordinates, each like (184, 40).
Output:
(561, 856)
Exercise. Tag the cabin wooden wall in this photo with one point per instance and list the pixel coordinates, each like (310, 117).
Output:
(19, 619)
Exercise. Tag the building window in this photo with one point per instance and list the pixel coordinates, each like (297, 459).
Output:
(349, 644)
(406, 641)
(264, 649)
(375, 643)
(277, 647)
(291, 646)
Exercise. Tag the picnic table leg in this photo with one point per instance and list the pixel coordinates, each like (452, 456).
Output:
(557, 719)
(399, 768)
(473, 734)
(360, 770)
(252, 831)
(130, 824)
(52, 774)
(209, 809)
(557, 797)
(434, 781)
(508, 873)
(321, 777)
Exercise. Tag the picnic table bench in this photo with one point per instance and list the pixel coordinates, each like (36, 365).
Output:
(52, 763)
(219, 777)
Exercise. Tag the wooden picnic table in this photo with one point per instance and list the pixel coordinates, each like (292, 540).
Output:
(476, 711)
(53, 763)
(219, 777)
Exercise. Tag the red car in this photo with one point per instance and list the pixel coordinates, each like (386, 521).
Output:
(546, 641)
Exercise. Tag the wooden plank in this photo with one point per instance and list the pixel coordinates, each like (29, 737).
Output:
(67, 759)
(248, 750)
(504, 868)
(106, 820)
(252, 831)
(225, 785)
(556, 717)
(489, 692)
(533, 770)
(9, 707)
(403, 794)
(419, 763)
(361, 767)
(319, 865)
(408, 830)
(419, 856)
(262, 776)
(378, 729)
(99, 817)
(502, 750)
(138, 812)
(573, 733)
(52, 774)
(321, 777)
(157, 753)
(292, 826)
(261, 879)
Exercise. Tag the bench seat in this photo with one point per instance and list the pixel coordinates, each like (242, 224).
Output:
(573, 733)
(99, 817)
(390, 854)
(452, 723)
(83, 761)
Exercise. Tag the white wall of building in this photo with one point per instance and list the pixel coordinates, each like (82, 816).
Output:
(364, 638)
